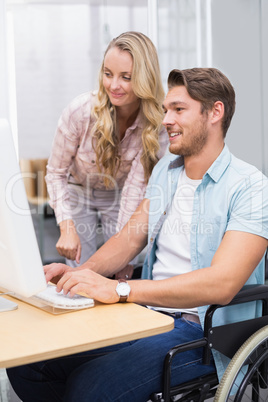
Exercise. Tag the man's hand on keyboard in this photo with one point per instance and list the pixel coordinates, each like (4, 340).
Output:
(54, 272)
(87, 282)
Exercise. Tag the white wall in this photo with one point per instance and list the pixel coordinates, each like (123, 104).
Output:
(8, 107)
(52, 45)
(264, 88)
(58, 51)
(240, 49)
(59, 47)
(231, 35)
(4, 98)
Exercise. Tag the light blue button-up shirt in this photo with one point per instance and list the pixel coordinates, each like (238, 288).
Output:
(233, 195)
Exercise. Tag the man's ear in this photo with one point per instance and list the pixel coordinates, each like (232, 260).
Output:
(217, 112)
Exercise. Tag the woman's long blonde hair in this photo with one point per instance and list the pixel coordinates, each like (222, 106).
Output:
(147, 85)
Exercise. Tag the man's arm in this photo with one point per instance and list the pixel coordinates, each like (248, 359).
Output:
(116, 253)
(121, 248)
(233, 263)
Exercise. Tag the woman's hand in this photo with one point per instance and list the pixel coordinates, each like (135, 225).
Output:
(125, 273)
(90, 283)
(69, 245)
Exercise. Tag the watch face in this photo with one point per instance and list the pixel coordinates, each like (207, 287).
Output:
(123, 289)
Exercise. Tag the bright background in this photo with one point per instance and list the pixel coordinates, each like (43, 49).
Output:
(55, 49)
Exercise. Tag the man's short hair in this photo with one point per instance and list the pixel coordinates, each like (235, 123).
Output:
(207, 85)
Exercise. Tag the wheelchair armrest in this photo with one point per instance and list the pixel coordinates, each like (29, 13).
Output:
(184, 347)
(250, 293)
(168, 360)
(240, 330)
(247, 294)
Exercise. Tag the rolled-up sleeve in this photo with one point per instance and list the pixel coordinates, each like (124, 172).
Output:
(64, 149)
(250, 206)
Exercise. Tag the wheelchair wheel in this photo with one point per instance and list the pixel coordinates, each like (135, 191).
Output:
(248, 365)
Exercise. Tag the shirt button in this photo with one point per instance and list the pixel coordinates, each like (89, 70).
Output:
(151, 239)
(164, 213)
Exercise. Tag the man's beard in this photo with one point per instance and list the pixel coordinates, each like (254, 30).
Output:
(193, 144)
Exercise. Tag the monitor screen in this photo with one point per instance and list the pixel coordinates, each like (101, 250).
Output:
(21, 269)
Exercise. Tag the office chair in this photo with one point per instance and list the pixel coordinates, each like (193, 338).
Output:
(246, 343)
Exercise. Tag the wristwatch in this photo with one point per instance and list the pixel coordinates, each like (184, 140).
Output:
(123, 290)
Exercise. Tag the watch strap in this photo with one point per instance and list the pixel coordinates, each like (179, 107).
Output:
(122, 299)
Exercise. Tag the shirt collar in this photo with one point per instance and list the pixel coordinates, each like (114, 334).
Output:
(218, 167)
(176, 163)
(216, 170)
(138, 122)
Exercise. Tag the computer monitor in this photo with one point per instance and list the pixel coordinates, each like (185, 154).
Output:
(21, 268)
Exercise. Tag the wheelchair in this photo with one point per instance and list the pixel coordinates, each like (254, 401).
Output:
(245, 343)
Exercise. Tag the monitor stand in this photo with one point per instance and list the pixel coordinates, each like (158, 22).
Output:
(7, 305)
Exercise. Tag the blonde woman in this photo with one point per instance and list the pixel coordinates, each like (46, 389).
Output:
(105, 147)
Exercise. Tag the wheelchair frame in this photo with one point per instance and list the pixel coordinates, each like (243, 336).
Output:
(218, 338)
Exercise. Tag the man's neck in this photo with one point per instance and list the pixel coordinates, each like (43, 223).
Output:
(197, 165)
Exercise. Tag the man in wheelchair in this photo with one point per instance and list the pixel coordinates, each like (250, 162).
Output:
(205, 216)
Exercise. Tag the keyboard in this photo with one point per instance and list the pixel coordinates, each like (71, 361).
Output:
(58, 300)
